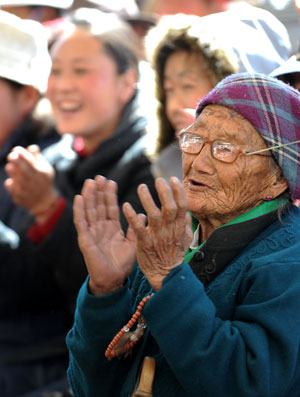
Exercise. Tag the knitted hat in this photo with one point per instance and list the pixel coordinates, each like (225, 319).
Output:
(24, 55)
(273, 108)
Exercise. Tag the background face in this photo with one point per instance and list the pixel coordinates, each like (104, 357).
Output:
(185, 83)
(84, 88)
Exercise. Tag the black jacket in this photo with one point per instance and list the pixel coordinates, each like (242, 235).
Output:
(120, 158)
(29, 132)
(40, 281)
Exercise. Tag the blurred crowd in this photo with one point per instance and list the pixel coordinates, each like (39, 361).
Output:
(98, 87)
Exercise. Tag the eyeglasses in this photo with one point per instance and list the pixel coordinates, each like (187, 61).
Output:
(222, 151)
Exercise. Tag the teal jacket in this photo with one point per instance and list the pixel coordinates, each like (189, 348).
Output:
(237, 337)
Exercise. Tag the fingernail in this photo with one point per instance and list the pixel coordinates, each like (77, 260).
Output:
(174, 179)
(144, 188)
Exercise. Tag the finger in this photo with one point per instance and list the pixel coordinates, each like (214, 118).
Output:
(34, 150)
(111, 201)
(23, 166)
(89, 196)
(17, 173)
(136, 222)
(8, 184)
(130, 235)
(179, 197)
(11, 169)
(188, 227)
(100, 202)
(168, 203)
(21, 154)
(153, 213)
(188, 220)
(188, 234)
(80, 221)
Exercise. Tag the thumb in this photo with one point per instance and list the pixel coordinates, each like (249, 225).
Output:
(130, 235)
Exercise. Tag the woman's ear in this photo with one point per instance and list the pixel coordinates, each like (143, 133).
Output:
(278, 185)
(129, 85)
(27, 99)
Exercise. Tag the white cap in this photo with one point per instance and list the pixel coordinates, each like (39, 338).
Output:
(49, 3)
(259, 39)
(292, 65)
(24, 55)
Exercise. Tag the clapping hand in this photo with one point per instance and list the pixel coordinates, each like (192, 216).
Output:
(162, 244)
(30, 179)
(109, 254)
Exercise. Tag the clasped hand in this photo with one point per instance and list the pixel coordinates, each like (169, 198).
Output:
(30, 179)
(159, 246)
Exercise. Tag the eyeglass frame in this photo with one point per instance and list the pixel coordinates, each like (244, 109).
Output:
(239, 152)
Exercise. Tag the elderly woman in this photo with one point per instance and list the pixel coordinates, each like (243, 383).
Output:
(217, 309)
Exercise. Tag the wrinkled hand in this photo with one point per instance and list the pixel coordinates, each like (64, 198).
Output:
(109, 254)
(162, 244)
(30, 179)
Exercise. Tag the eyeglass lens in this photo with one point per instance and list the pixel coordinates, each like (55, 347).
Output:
(222, 151)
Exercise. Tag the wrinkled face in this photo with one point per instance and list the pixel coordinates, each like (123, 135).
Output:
(220, 190)
(85, 90)
(185, 83)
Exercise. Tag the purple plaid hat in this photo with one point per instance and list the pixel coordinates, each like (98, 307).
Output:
(273, 108)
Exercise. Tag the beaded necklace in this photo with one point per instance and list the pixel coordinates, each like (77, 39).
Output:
(126, 339)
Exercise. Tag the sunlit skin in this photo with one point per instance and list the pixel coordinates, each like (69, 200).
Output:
(185, 82)
(85, 90)
(218, 192)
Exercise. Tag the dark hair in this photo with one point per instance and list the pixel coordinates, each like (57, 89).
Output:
(284, 207)
(289, 78)
(117, 37)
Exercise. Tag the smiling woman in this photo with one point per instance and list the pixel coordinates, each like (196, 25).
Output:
(91, 81)
(93, 92)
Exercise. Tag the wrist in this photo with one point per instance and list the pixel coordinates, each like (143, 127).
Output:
(44, 212)
(101, 291)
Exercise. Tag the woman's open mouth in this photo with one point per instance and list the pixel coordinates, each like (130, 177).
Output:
(197, 185)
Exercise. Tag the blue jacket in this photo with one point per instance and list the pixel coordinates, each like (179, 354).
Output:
(237, 337)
